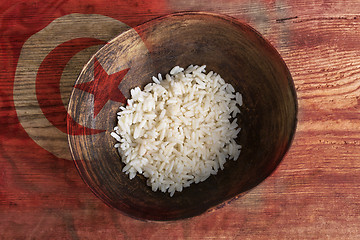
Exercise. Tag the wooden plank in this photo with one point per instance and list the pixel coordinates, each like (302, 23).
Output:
(314, 193)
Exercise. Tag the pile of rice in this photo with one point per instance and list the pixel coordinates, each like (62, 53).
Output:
(177, 131)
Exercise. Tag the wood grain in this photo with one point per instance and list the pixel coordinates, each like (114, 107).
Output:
(314, 193)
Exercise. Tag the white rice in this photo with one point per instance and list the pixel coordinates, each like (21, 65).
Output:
(177, 131)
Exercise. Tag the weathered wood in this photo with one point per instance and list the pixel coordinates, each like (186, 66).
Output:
(313, 194)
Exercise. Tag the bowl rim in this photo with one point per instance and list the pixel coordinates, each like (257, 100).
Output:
(238, 23)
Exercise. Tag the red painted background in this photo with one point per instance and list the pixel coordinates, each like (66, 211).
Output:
(314, 193)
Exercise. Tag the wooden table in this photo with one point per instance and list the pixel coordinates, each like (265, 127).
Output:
(313, 194)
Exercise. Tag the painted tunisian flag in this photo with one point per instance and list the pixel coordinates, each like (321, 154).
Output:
(43, 47)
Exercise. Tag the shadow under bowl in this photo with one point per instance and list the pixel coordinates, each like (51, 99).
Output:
(227, 46)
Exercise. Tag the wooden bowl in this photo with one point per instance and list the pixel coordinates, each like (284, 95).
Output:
(227, 46)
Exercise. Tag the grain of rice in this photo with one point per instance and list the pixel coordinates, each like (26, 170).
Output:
(177, 131)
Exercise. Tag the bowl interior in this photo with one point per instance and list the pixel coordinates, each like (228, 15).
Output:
(231, 48)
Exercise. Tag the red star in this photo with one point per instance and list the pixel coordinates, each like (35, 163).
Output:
(104, 87)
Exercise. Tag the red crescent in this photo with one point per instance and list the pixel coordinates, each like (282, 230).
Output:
(48, 85)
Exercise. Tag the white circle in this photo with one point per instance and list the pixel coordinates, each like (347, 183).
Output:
(32, 54)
